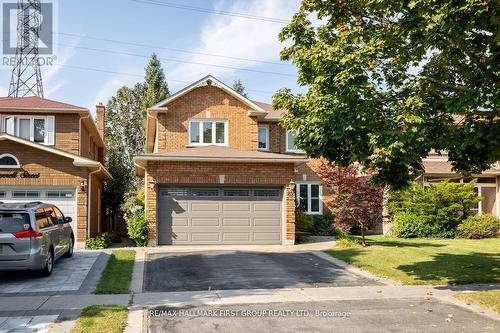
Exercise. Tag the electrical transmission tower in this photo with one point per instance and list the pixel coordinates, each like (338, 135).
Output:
(26, 76)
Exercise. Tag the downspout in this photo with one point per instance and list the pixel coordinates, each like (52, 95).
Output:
(80, 134)
(89, 190)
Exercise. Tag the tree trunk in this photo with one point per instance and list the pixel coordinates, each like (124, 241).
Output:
(363, 235)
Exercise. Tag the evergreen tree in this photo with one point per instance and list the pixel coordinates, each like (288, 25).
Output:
(156, 85)
(239, 88)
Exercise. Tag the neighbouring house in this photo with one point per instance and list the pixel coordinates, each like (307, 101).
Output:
(219, 169)
(54, 152)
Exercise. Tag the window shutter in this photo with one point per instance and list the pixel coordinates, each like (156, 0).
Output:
(9, 125)
(49, 139)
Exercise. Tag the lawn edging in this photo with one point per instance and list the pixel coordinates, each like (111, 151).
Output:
(355, 270)
(117, 274)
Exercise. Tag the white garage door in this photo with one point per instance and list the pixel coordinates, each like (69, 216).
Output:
(64, 198)
(219, 215)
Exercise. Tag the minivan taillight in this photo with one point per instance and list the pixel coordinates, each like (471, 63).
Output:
(27, 234)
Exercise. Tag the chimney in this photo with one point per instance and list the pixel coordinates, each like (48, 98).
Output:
(100, 109)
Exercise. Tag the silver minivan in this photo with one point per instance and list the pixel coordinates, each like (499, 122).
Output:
(33, 236)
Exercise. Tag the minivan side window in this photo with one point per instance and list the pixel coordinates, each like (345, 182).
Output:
(42, 221)
(59, 215)
(51, 215)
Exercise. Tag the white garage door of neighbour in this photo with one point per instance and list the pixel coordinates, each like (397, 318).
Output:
(64, 198)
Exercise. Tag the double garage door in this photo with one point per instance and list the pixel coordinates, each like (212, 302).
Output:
(64, 198)
(219, 215)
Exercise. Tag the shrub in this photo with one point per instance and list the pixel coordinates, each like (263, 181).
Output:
(479, 226)
(99, 242)
(323, 225)
(435, 211)
(346, 242)
(303, 221)
(137, 228)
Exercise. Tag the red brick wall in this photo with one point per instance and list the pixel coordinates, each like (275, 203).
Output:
(206, 102)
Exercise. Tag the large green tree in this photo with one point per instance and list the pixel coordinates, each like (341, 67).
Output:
(390, 81)
(240, 88)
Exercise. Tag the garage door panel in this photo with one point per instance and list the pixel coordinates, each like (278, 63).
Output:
(205, 222)
(236, 236)
(235, 222)
(236, 207)
(205, 237)
(204, 207)
(180, 222)
(266, 206)
(266, 222)
(224, 215)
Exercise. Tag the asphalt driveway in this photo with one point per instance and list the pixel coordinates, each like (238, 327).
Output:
(223, 270)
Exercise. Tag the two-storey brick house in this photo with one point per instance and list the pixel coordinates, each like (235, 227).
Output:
(219, 169)
(54, 152)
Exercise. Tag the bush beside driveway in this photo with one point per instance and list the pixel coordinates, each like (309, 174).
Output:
(427, 261)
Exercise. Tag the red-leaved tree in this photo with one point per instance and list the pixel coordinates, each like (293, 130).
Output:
(350, 195)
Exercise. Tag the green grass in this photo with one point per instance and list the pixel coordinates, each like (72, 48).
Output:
(118, 272)
(489, 299)
(427, 261)
(101, 319)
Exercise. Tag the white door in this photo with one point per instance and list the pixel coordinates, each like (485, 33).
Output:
(62, 197)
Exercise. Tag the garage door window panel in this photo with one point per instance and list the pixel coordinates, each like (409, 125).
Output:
(205, 192)
(236, 193)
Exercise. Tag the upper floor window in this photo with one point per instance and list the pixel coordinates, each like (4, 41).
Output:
(290, 141)
(208, 132)
(38, 129)
(263, 137)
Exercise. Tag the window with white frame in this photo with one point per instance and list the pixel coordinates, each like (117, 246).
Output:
(290, 141)
(263, 137)
(38, 129)
(308, 198)
(208, 132)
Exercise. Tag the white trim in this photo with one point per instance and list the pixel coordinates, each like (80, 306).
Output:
(204, 82)
(218, 159)
(286, 144)
(266, 127)
(309, 198)
(48, 136)
(200, 132)
(17, 166)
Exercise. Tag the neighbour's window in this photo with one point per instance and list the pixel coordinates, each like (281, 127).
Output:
(9, 161)
(42, 220)
(477, 207)
(208, 132)
(263, 137)
(33, 128)
(290, 141)
(308, 198)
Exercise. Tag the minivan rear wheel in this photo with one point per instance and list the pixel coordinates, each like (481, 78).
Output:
(49, 265)
(69, 253)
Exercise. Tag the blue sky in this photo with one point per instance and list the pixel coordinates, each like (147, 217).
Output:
(78, 21)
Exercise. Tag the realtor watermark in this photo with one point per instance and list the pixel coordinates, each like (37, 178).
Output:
(250, 313)
(44, 23)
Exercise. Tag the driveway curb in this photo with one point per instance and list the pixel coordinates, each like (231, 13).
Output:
(136, 285)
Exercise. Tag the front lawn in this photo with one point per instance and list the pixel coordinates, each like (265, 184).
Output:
(490, 298)
(101, 319)
(427, 261)
(118, 272)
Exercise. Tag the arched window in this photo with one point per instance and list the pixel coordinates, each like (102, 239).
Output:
(8, 161)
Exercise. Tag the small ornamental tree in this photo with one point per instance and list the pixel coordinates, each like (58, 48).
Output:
(353, 199)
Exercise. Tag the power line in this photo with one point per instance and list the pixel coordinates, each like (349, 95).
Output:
(171, 49)
(178, 60)
(99, 70)
(212, 11)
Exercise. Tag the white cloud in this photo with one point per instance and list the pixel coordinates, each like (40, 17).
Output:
(237, 37)
(3, 92)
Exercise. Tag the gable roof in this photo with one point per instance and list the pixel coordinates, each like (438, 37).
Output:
(209, 80)
(78, 161)
(35, 102)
